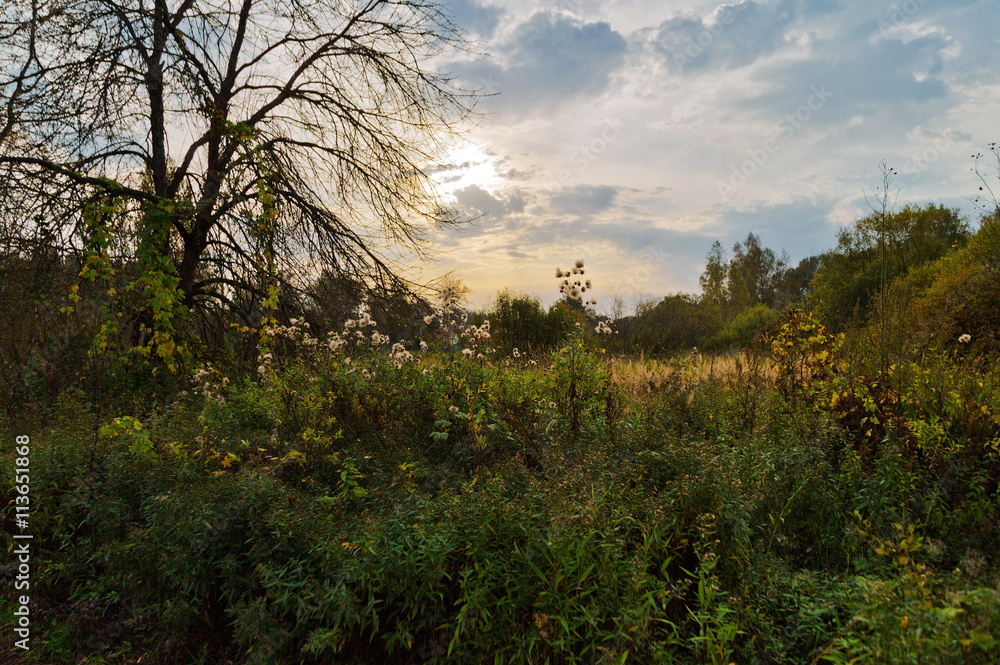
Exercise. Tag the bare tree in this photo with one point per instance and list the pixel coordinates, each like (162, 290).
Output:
(881, 204)
(244, 141)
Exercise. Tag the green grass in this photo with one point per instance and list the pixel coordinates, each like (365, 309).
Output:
(574, 510)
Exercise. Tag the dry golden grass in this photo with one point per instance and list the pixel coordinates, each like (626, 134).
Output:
(644, 376)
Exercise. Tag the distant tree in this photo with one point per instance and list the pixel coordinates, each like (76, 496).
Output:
(793, 285)
(755, 275)
(517, 321)
(744, 329)
(713, 282)
(675, 323)
(849, 278)
(753, 272)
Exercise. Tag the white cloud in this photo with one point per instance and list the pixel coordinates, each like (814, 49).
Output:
(900, 88)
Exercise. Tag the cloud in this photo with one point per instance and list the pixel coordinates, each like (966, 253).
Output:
(913, 88)
(733, 35)
(584, 200)
(477, 200)
(472, 17)
(548, 62)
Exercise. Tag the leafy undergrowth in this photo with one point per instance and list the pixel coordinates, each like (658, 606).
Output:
(344, 505)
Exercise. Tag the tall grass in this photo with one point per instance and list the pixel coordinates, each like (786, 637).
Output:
(347, 504)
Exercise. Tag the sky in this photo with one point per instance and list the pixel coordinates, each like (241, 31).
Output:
(633, 134)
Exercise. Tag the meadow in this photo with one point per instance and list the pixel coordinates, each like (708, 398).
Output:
(347, 501)
(239, 429)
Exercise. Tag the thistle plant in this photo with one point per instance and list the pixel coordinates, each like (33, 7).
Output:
(603, 327)
(575, 369)
(572, 284)
(454, 326)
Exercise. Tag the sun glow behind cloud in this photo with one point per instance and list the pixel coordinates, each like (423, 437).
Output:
(467, 164)
(697, 91)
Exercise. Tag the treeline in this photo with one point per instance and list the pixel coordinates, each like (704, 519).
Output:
(903, 281)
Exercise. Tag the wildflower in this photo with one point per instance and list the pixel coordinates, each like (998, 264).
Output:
(423, 346)
(428, 319)
(579, 263)
(467, 353)
(453, 409)
(426, 372)
(365, 373)
(261, 370)
(552, 405)
(965, 339)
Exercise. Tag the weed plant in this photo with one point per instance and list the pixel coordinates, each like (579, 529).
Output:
(349, 500)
